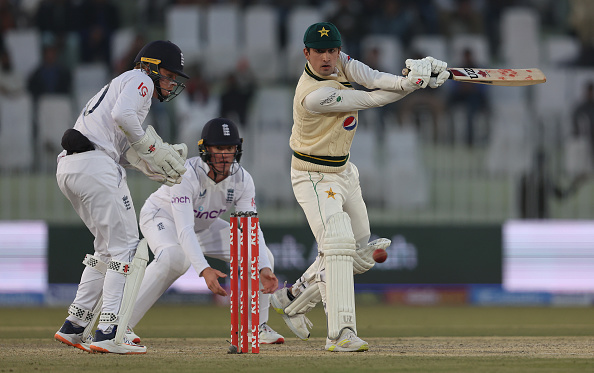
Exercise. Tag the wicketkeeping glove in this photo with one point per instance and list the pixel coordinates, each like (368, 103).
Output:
(419, 72)
(160, 157)
(141, 165)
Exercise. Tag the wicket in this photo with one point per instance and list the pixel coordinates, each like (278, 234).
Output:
(244, 296)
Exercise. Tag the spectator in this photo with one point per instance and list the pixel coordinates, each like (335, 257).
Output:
(12, 83)
(471, 97)
(51, 76)
(237, 94)
(123, 64)
(198, 102)
(347, 18)
(8, 16)
(98, 20)
(538, 185)
(395, 19)
(583, 116)
(55, 19)
(582, 20)
(465, 17)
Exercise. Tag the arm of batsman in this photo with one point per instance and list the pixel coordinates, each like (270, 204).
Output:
(438, 68)
(161, 157)
(140, 164)
(363, 260)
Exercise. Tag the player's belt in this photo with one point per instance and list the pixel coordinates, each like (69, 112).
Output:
(322, 160)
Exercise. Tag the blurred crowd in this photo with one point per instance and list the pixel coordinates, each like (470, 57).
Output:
(75, 32)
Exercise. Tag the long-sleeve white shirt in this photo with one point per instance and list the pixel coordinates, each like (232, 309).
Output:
(113, 117)
(390, 88)
(198, 201)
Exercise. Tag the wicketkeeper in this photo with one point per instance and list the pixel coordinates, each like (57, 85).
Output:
(106, 135)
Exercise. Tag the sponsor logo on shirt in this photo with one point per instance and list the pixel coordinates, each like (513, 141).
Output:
(127, 203)
(349, 123)
(208, 214)
(202, 194)
(230, 193)
(183, 199)
(329, 99)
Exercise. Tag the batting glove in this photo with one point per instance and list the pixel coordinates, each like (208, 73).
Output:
(438, 80)
(438, 68)
(419, 72)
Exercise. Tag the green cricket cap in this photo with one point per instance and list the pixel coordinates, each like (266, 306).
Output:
(322, 35)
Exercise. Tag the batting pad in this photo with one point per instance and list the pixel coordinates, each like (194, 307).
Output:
(338, 249)
(134, 273)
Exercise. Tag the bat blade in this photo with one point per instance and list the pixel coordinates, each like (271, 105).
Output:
(503, 77)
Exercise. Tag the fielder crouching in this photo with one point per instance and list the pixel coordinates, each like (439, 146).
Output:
(108, 134)
(183, 225)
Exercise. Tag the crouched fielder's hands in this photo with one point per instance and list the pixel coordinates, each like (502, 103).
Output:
(159, 161)
(439, 72)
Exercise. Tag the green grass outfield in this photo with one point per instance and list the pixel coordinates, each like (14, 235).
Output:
(192, 338)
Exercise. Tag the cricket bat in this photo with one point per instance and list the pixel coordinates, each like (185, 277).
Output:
(505, 77)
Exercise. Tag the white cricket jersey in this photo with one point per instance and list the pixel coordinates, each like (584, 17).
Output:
(122, 104)
(198, 201)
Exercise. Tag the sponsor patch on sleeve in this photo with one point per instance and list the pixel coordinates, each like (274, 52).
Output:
(328, 100)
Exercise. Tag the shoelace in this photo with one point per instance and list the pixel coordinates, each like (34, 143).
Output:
(265, 328)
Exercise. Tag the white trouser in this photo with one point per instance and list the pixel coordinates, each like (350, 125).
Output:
(171, 262)
(322, 195)
(96, 186)
(312, 190)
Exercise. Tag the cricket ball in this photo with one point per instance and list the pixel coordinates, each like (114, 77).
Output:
(380, 255)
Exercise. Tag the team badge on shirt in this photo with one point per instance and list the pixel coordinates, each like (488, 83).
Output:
(349, 123)
(331, 194)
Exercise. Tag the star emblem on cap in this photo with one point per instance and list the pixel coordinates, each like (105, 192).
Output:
(330, 193)
(324, 32)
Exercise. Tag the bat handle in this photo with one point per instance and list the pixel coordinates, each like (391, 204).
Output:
(406, 70)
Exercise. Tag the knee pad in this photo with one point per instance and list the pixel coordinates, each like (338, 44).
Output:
(338, 237)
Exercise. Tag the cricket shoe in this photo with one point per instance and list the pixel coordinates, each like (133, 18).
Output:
(106, 343)
(132, 336)
(72, 335)
(347, 341)
(298, 323)
(268, 336)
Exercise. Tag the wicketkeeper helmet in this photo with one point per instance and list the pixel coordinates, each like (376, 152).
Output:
(165, 54)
